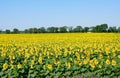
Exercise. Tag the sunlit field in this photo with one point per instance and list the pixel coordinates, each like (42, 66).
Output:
(59, 55)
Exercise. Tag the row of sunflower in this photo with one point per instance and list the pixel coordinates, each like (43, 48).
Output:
(59, 55)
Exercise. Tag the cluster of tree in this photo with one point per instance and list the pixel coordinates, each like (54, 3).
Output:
(65, 29)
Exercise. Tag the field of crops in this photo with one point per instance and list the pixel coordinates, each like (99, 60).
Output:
(59, 55)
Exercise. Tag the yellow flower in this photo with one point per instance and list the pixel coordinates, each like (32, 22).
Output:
(32, 62)
(119, 56)
(75, 61)
(95, 61)
(58, 63)
(70, 59)
(27, 54)
(12, 61)
(44, 66)
(13, 57)
(55, 62)
(40, 60)
(78, 58)
(82, 57)
(31, 66)
(80, 63)
(107, 50)
(19, 66)
(92, 64)
(12, 66)
(86, 61)
(65, 53)
(101, 56)
(68, 64)
(114, 54)
(100, 66)
(25, 61)
(49, 66)
(77, 54)
(5, 66)
(107, 61)
(113, 62)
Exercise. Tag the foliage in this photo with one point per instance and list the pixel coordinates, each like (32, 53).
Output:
(66, 29)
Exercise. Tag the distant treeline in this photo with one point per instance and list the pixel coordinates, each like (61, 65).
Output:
(65, 29)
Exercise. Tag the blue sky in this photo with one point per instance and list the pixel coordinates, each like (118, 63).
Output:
(24, 14)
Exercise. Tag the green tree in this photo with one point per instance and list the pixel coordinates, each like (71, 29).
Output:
(63, 29)
(112, 29)
(51, 29)
(41, 30)
(15, 31)
(0, 31)
(104, 27)
(7, 31)
(56, 29)
(35, 30)
(26, 31)
(78, 29)
(118, 29)
(70, 29)
(86, 29)
(99, 28)
(30, 30)
(93, 29)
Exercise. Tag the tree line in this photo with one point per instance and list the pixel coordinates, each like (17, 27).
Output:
(65, 29)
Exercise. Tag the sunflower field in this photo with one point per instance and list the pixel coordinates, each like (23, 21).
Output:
(61, 55)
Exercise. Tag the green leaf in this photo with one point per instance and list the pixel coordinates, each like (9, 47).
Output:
(75, 73)
(4, 76)
(1, 73)
(68, 73)
(58, 73)
(118, 76)
(62, 69)
(31, 71)
(47, 72)
(2, 59)
(74, 68)
(83, 70)
(37, 67)
(108, 72)
(22, 71)
(33, 75)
